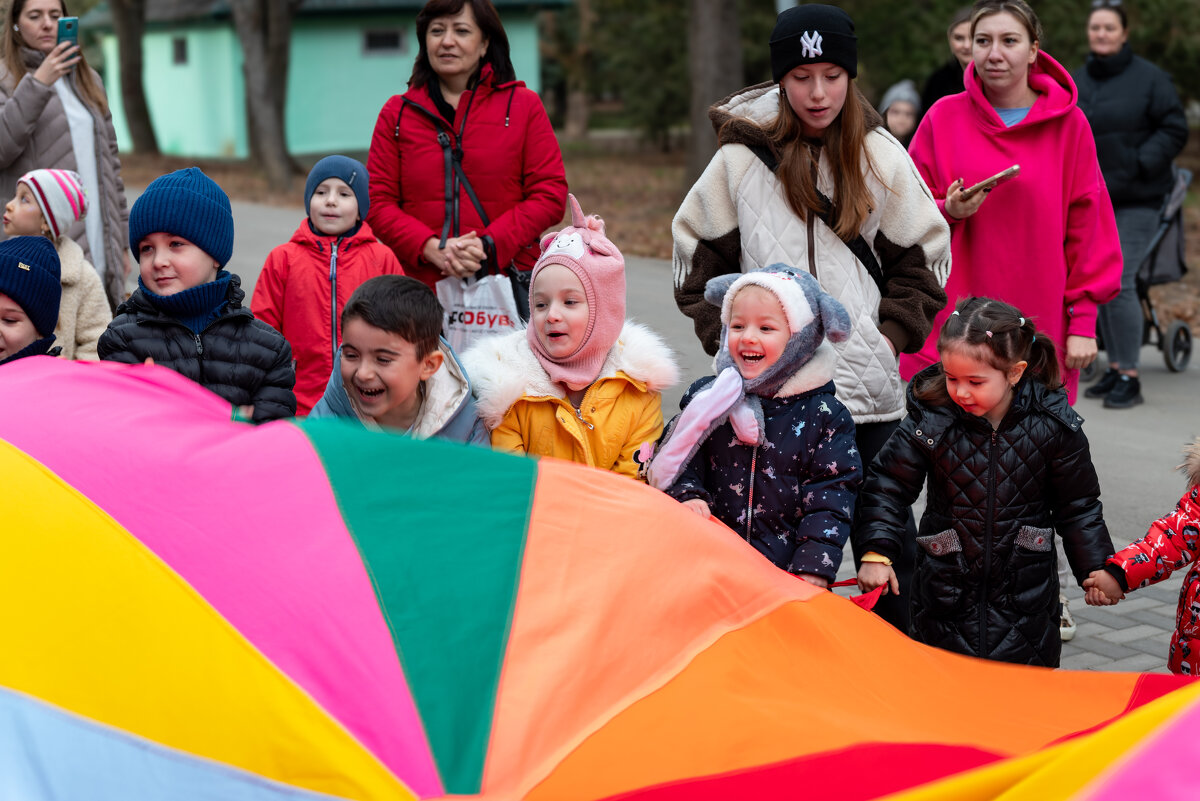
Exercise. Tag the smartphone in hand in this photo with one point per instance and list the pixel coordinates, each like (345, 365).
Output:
(993, 182)
(68, 30)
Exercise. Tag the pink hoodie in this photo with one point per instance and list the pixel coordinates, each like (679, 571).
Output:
(1045, 241)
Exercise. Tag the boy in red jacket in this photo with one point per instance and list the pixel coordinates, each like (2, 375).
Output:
(306, 281)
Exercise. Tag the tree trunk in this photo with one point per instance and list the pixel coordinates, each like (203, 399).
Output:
(264, 28)
(715, 66)
(129, 22)
(579, 66)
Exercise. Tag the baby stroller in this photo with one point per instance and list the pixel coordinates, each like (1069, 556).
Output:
(1162, 264)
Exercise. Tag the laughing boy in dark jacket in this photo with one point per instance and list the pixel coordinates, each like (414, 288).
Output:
(765, 446)
(187, 312)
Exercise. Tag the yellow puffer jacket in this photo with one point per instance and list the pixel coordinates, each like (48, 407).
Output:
(527, 413)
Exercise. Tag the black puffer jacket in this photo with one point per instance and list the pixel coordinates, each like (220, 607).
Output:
(242, 359)
(1138, 122)
(986, 580)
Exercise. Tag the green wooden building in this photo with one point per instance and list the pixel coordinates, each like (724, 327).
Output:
(347, 58)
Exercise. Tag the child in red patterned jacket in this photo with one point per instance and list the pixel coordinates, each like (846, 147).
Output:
(1172, 542)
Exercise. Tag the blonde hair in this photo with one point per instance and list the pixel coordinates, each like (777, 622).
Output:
(89, 89)
(1018, 8)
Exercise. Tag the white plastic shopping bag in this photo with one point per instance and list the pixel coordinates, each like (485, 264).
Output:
(476, 307)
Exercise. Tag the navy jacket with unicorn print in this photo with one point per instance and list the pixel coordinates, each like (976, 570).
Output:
(793, 496)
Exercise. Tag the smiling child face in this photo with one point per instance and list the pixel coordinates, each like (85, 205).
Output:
(382, 373)
(758, 331)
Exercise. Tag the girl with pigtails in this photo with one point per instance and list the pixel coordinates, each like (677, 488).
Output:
(1008, 468)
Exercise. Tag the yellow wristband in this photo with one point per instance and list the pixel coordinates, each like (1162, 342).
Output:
(871, 556)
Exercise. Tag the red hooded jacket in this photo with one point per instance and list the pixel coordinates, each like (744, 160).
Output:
(509, 155)
(295, 296)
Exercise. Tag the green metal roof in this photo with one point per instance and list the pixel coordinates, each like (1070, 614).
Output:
(166, 12)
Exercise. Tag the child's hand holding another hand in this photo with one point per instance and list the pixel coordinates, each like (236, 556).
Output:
(1102, 588)
(699, 507)
(877, 574)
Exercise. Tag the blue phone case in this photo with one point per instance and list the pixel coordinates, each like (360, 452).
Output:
(68, 30)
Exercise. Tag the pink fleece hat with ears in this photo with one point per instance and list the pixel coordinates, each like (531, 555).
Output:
(584, 250)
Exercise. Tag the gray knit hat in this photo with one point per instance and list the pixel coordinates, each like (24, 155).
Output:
(905, 92)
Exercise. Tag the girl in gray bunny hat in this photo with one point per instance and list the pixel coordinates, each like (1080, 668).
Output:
(765, 446)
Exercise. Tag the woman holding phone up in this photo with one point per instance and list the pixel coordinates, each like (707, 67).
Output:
(54, 115)
(1044, 241)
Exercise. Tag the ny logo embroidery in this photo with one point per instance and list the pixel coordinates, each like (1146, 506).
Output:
(811, 42)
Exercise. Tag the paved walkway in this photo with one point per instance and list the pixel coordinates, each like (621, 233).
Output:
(1135, 451)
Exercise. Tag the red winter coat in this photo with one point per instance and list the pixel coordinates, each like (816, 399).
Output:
(1172, 543)
(295, 296)
(509, 154)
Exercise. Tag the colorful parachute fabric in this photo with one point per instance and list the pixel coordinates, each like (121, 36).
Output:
(197, 608)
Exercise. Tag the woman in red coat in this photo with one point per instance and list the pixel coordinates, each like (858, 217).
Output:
(465, 168)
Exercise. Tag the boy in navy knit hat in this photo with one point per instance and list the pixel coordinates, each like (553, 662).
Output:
(187, 313)
(306, 281)
(29, 295)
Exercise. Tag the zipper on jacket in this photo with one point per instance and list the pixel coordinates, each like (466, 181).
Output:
(199, 345)
(750, 501)
(810, 222)
(333, 315)
(811, 225)
(987, 548)
(579, 414)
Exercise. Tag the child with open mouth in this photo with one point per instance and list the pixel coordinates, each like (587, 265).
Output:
(765, 446)
(581, 382)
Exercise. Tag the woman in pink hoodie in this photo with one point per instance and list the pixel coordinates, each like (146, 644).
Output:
(1044, 241)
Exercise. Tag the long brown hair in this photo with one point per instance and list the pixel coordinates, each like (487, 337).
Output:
(89, 89)
(845, 143)
(998, 334)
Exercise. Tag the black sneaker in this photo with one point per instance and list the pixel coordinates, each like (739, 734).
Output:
(1127, 393)
(1104, 385)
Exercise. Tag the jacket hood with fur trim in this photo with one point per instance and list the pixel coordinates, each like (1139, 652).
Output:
(1191, 462)
(503, 369)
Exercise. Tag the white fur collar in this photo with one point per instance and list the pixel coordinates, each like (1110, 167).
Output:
(503, 368)
(1191, 462)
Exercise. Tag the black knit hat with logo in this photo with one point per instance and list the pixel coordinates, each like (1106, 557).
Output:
(30, 274)
(813, 34)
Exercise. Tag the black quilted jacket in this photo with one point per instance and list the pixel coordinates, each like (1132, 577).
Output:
(986, 582)
(242, 359)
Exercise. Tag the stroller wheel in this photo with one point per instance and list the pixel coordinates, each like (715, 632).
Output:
(1177, 346)
(1088, 374)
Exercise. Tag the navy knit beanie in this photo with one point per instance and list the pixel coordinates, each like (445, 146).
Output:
(351, 171)
(813, 34)
(185, 203)
(30, 275)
